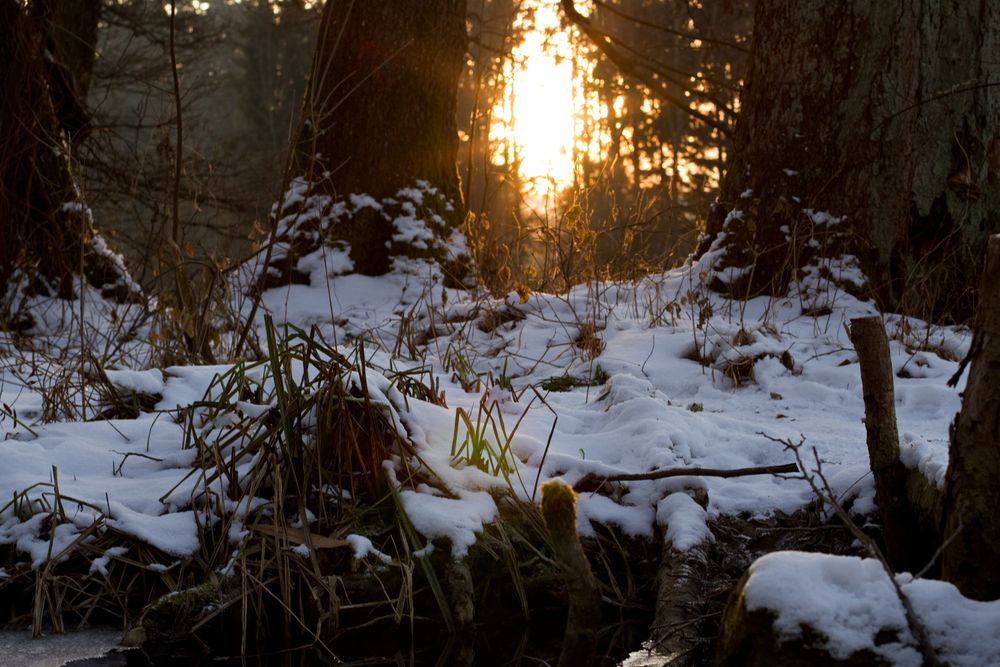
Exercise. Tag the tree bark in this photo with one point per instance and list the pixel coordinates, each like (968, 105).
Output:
(907, 548)
(71, 36)
(886, 113)
(46, 233)
(380, 112)
(972, 484)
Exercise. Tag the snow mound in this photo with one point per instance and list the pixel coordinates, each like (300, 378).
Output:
(853, 605)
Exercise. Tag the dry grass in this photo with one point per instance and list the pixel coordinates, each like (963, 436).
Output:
(304, 438)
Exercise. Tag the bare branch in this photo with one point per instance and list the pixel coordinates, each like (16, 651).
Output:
(670, 31)
(630, 66)
(594, 481)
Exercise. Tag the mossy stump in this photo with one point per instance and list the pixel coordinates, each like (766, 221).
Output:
(749, 639)
(584, 619)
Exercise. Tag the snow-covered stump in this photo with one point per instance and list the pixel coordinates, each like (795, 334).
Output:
(800, 609)
(317, 237)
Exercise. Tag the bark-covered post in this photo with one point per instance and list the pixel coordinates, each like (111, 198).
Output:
(867, 130)
(906, 547)
(972, 484)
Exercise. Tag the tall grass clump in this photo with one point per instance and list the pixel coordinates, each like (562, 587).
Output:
(290, 457)
(291, 453)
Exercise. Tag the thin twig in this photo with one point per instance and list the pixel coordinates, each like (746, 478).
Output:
(175, 231)
(938, 552)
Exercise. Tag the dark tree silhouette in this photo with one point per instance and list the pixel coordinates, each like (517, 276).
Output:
(884, 114)
(972, 495)
(379, 118)
(46, 231)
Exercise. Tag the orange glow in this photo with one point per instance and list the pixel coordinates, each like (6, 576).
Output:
(536, 122)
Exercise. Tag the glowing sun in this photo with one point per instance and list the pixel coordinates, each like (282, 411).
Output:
(538, 113)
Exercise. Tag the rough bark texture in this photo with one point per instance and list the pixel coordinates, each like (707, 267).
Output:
(886, 113)
(45, 229)
(972, 485)
(381, 110)
(71, 35)
(680, 586)
(907, 548)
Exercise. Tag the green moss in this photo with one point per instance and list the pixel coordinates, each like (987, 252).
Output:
(568, 382)
(173, 615)
(748, 639)
(559, 509)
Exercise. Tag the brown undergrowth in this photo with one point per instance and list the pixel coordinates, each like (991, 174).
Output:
(294, 454)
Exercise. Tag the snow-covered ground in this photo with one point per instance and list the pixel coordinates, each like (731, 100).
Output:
(670, 375)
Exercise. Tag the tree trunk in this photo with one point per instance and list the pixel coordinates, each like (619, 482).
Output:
(972, 485)
(886, 113)
(380, 115)
(46, 233)
(71, 36)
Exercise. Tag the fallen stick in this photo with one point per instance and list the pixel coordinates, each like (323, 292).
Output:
(593, 481)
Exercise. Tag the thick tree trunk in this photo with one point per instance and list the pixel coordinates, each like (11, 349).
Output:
(972, 485)
(71, 27)
(46, 234)
(886, 113)
(380, 113)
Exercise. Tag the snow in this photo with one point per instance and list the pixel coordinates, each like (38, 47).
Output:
(684, 520)
(175, 533)
(823, 218)
(458, 520)
(100, 564)
(851, 601)
(680, 377)
(141, 382)
(363, 547)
